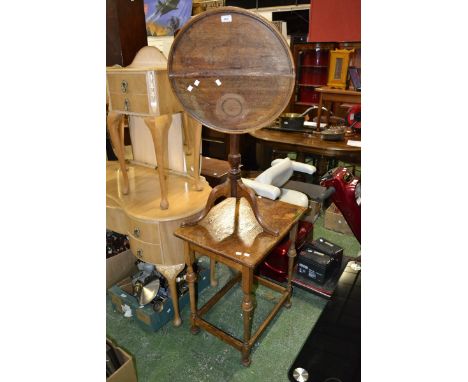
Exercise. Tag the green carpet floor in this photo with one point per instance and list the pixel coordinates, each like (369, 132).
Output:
(173, 354)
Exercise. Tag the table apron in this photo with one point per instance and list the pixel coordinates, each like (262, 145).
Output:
(214, 256)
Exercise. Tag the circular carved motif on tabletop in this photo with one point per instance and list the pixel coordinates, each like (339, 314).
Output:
(231, 70)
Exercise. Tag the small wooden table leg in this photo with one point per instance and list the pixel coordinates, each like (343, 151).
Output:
(191, 279)
(170, 272)
(319, 112)
(213, 281)
(330, 104)
(247, 312)
(114, 124)
(159, 128)
(291, 255)
(197, 127)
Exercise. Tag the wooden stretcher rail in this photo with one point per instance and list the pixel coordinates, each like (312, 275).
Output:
(208, 305)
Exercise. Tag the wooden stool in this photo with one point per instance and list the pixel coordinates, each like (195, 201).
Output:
(230, 234)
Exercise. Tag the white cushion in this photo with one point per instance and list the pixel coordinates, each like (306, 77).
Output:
(278, 174)
(297, 166)
(265, 190)
(294, 197)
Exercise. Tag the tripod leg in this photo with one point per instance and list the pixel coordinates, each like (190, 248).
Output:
(249, 195)
(220, 190)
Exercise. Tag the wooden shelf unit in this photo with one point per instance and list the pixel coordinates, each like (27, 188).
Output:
(311, 61)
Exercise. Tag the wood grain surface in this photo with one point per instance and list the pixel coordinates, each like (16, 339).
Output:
(142, 204)
(310, 143)
(231, 70)
(231, 230)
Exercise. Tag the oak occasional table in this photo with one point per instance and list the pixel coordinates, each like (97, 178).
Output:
(230, 234)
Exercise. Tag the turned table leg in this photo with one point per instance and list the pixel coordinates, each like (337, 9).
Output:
(319, 112)
(213, 281)
(170, 272)
(291, 255)
(159, 128)
(191, 279)
(247, 312)
(115, 126)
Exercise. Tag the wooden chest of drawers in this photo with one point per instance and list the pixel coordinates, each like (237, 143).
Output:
(149, 228)
(141, 92)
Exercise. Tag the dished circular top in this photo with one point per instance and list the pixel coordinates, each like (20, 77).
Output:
(231, 70)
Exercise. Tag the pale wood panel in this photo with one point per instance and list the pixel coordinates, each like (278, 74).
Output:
(150, 253)
(143, 148)
(143, 202)
(137, 103)
(116, 219)
(168, 103)
(173, 247)
(136, 82)
(145, 231)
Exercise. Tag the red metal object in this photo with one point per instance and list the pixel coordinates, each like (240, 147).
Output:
(354, 117)
(347, 196)
(275, 265)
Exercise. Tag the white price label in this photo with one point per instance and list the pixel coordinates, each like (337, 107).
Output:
(226, 18)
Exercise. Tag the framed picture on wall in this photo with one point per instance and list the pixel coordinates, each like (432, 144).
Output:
(355, 77)
(164, 17)
(338, 70)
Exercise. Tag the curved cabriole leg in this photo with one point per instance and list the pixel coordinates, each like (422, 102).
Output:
(192, 133)
(217, 192)
(291, 255)
(170, 272)
(159, 128)
(249, 195)
(187, 133)
(115, 126)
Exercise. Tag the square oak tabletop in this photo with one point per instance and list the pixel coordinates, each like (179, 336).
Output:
(231, 230)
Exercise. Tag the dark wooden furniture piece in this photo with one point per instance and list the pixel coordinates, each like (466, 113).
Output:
(330, 95)
(302, 144)
(125, 31)
(311, 61)
(233, 72)
(216, 145)
(214, 170)
(332, 351)
(230, 234)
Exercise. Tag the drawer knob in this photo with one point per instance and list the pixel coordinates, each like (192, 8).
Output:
(124, 86)
(126, 104)
(136, 232)
(139, 253)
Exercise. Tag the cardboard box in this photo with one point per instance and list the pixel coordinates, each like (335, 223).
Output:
(145, 316)
(335, 221)
(119, 266)
(126, 372)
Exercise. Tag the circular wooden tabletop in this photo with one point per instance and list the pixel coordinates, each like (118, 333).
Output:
(231, 70)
